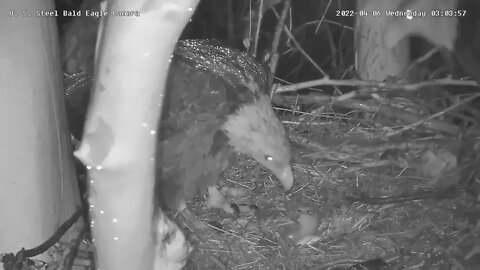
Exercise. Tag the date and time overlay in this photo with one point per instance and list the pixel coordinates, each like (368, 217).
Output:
(408, 14)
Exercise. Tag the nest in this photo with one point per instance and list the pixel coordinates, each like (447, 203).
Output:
(360, 198)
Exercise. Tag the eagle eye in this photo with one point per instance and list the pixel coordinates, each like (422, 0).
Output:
(268, 158)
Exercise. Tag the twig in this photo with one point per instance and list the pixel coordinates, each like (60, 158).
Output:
(331, 22)
(306, 123)
(275, 43)
(219, 263)
(419, 60)
(377, 84)
(340, 262)
(373, 164)
(307, 143)
(300, 48)
(57, 235)
(323, 17)
(19, 260)
(258, 22)
(447, 192)
(396, 132)
(230, 233)
(70, 257)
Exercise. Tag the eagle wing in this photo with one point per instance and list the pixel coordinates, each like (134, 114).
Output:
(206, 84)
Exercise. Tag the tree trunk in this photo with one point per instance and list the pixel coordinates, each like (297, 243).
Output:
(38, 184)
(375, 60)
(119, 139)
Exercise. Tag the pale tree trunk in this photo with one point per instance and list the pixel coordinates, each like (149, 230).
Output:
(38, 188)
(119, 138)
(375, 60)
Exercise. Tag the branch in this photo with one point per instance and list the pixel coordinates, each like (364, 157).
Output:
(435, 115)
(275, 43)
(373, 84)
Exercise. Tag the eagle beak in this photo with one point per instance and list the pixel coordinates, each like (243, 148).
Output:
(285, 177)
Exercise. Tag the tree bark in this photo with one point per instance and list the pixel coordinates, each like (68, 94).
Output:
(118, 147)
(38, 184)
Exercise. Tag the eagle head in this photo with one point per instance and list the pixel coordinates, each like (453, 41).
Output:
(255, 130)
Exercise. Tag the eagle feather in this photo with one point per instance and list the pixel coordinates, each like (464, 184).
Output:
(215, 104)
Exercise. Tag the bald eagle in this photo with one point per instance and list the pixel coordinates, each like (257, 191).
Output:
(216, 104)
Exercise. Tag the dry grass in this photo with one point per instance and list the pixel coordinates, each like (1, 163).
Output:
(336, 156)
